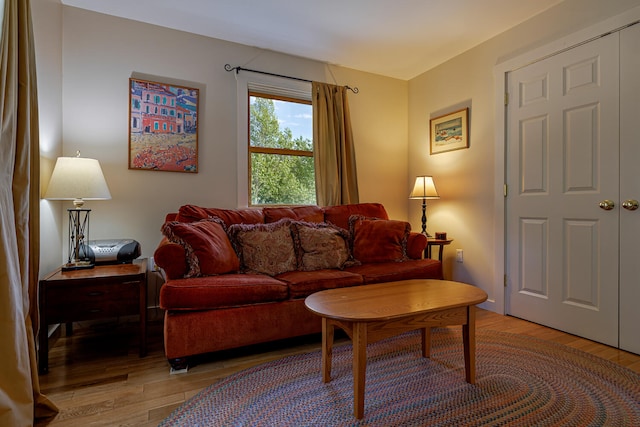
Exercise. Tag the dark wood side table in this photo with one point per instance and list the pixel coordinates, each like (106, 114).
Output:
(441, 243)
(97, 293)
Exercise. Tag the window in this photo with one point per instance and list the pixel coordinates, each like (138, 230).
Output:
(280, 150)
(275, 88)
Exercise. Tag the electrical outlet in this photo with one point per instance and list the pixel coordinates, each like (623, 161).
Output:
(459, 255)
(151, 264)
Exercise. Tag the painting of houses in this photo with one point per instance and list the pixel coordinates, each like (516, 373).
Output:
(163, 127)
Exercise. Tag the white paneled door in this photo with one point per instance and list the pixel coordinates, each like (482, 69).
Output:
(563, 202)
(630, 189)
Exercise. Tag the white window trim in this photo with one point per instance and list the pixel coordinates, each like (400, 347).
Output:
(247, 81)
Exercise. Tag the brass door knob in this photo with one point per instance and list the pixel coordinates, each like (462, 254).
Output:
(607, 205)
(630, 205)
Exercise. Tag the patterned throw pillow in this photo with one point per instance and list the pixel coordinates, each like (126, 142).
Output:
(208, 249)
(320, 246)
(265, 248)
(377, 240)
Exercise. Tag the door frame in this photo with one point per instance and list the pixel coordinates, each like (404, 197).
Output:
(501, 70)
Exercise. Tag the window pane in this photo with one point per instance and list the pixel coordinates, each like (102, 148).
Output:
(284, 127)
(281, 179)
(280, 124)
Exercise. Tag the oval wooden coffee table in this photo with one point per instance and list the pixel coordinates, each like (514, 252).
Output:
(370, 313)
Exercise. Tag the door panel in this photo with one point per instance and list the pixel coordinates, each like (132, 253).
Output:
(562, 248)
(581, 148)
(534, 258)
(581, 286)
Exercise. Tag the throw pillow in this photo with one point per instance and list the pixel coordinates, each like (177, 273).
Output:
(208, 249)
(265, 248)
(377, 240)
(320, 246)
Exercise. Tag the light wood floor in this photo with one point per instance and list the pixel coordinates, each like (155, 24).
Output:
(96, 377)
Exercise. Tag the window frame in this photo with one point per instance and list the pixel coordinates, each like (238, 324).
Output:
(274, 86)
(267, 150)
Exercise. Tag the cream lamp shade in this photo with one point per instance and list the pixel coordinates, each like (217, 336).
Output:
(424, 189)
(77, 179)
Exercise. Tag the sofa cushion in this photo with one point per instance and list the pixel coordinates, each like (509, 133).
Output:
(298, 213)
(320, 246)
(191, 213)
(393, 271)
(227, 290)
(265, 248)
(304, 283)
(339, 215)
(206, 245)
(376, 240)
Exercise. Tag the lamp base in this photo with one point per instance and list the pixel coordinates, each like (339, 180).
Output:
(77, 265)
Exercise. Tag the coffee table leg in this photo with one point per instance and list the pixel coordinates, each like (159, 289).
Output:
(426, 342)
(327, 349)
(469, 340)
(359, 367)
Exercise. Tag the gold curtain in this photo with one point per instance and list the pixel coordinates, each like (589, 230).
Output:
(20, 397)
(335, 157)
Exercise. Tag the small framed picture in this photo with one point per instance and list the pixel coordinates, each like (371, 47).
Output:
(450, 132)
(163, 127)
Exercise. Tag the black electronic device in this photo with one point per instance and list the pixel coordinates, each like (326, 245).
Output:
(113, 251)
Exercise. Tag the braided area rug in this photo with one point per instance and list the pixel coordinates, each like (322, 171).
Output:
(521, 381)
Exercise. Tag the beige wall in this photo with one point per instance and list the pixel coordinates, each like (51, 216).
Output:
(466, 179)
(100, 53)
(47, 28)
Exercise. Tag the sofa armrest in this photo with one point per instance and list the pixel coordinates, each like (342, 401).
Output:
(171, 257)
(416, 243)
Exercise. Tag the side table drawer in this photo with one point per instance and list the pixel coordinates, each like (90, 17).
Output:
(74, 303)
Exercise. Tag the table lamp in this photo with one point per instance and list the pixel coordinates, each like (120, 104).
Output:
(424, 189)
(77, 179)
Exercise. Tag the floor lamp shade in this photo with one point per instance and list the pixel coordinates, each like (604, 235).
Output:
(77, 179)
(424, 188)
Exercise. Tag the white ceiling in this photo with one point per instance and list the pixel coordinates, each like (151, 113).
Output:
(396, 38)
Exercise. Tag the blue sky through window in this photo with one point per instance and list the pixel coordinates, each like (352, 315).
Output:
(295, 116)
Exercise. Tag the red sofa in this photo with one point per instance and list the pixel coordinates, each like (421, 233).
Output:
(236, 277)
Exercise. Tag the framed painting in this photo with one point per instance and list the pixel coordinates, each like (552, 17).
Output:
(450, 132)
(163, 127)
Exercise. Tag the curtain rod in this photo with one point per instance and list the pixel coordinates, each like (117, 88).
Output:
(237, 69)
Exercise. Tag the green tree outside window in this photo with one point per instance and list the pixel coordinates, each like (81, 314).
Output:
(281, 165)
